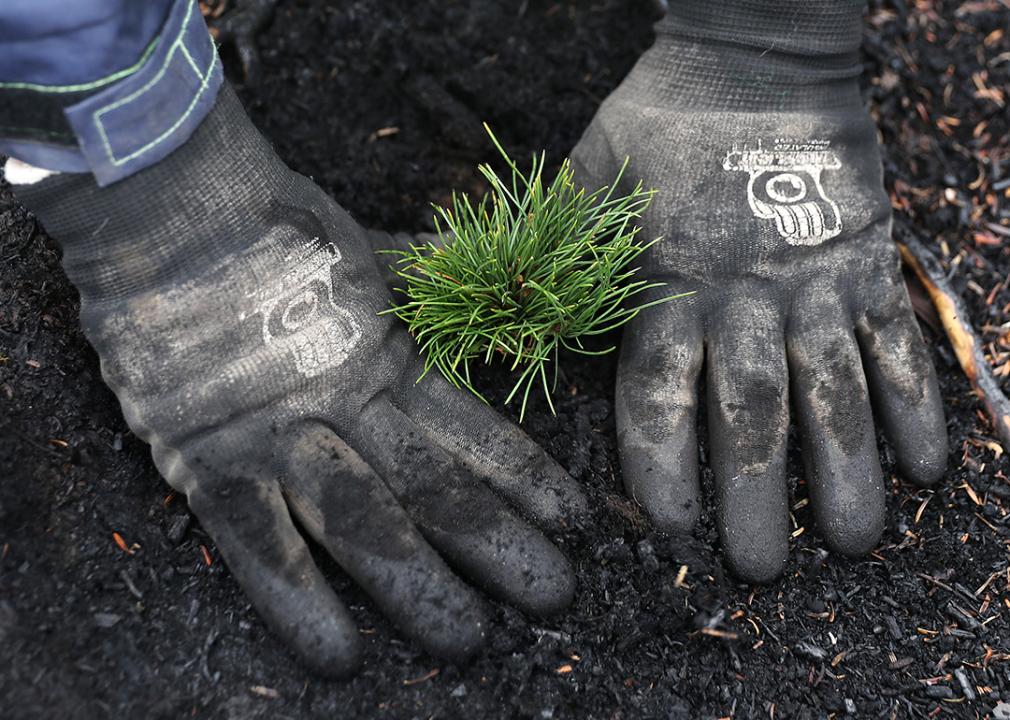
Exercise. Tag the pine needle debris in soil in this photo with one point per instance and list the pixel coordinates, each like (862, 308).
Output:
(114, 602)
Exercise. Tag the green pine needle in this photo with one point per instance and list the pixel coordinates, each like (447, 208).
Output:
(519, 277)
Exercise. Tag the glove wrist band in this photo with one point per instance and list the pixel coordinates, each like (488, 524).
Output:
(750, 56)
(165, 223)
(813, 28)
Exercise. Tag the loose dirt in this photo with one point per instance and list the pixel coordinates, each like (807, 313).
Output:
(114, 603)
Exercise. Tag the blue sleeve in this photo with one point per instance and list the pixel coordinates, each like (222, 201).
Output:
(102, 86)
(75, 42)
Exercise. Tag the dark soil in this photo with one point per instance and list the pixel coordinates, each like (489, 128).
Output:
(916, 629)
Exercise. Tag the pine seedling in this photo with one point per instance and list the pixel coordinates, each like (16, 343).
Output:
(529, 270)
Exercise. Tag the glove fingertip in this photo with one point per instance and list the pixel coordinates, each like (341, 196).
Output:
(551, 593)
(570, 502)
(309, 618)
(758, 565)
(674, 523)
(855, 535)
(665, 484)
(662, 477)
(926, 471)
(925, 462)
(328, 648)
(919, 436)
(672, 510)
(461, 642)
(524, 568)
(754, 535)
(753, 522)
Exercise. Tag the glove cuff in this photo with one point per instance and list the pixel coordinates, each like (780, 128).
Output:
(811, 28)
(209, 199)
(755, 56)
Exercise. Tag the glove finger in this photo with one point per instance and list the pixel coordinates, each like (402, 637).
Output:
(249, 521)
(655, 406)
(462, 518)
(903, 385)
(344, 505)
(494, 449)
(836, 425)
(594, 162)
(748, 410)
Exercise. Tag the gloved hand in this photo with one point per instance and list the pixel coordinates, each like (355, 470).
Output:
(235, 309)
(745, 117)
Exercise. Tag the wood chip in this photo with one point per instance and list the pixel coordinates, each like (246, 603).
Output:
(957, 324)
(382, 132)
(415, 681)
(122, 543)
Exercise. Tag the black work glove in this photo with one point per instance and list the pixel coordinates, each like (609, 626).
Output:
(745, 116)
(235, 309)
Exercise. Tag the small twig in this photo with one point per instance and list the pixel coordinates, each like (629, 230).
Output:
(965, 594)
(930, 578)
(768, 630)
(427, 676)
(957, 324)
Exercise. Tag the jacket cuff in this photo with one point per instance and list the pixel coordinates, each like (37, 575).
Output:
(137, 120)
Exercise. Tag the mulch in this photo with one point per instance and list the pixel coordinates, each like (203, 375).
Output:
(114, 602)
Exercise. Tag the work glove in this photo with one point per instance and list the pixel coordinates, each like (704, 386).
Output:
(236, 311)
(745, 117)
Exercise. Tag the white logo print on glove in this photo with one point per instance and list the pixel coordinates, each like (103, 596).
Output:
(299, 312)
(785, 186)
